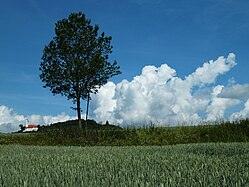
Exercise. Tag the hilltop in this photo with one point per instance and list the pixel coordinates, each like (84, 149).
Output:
(91, 125)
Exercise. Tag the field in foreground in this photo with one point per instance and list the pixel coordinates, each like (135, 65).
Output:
(213, 164)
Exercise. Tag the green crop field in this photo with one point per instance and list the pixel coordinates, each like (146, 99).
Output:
(213, 164)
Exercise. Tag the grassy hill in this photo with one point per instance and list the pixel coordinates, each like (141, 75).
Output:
(68, 133)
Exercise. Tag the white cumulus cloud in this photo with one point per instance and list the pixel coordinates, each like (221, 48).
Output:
(236, 91)
(218, 106)
(244, 113)
(211, 70)
(10, 120)
(159, 95)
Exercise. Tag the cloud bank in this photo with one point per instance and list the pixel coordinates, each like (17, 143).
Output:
(158, 95)
(10, 121)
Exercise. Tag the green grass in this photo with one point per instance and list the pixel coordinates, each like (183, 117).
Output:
(214, 164)
(68, 133)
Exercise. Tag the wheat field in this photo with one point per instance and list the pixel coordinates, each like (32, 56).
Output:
(214, 164)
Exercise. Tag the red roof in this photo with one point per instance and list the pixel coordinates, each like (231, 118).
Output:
(32, 126)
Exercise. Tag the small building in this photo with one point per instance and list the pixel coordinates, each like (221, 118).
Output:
(30, 128)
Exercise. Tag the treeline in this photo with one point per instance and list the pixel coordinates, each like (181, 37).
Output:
(69, 134)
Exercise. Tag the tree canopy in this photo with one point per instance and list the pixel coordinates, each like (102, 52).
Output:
(75, 62)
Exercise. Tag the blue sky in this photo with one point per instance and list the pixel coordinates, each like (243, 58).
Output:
(182, 34)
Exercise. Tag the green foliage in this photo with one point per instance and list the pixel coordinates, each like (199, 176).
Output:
(75, 63)
(76, 60)
(215, 164)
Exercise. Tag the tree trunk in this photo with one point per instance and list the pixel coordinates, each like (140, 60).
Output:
(79, 111)
(87, 108)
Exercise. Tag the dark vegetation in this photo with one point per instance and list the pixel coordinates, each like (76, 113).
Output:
(75, 62)
(68, 133)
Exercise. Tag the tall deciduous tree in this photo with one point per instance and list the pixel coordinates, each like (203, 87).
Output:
(75, 62)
